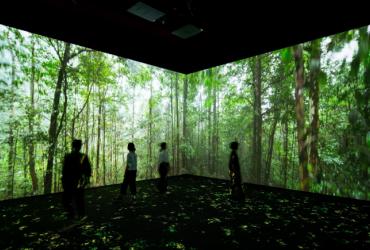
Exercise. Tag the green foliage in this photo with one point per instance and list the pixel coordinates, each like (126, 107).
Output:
(355, 65)
(363, 46)
(323, 78)
(286, 55)
(188, 149)
(124, 101)
(338, 41)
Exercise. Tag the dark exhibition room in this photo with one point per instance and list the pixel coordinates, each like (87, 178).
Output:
(187, 124)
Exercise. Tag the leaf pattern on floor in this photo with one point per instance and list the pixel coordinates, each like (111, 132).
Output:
(196, 213)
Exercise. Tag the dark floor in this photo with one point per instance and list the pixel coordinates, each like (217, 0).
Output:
(196, 214)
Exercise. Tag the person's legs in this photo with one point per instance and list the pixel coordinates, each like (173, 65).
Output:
(165, 183)
(163, 170)
(161, 178)
(159, 182)
(80, 201)
(237, 192)
(125, 183)
(238, 183)
(67, 202)
(133, 182)
(165, 178)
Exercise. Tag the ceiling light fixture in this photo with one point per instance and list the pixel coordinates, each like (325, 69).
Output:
(187, 31)
(146, 12)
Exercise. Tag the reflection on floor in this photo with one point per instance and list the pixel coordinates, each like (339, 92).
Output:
(196, 214)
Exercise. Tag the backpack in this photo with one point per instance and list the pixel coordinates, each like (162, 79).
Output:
(75, 170)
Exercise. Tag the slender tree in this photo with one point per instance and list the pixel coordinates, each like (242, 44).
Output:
(314, 91)
(299, 109)
(184, 122)
(31, 121)
(257, 119)
(53, 135)
(177, 125)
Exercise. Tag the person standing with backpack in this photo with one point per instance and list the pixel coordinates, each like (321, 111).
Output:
(76, 175)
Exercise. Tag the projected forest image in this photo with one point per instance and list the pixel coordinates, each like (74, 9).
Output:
(301, 115)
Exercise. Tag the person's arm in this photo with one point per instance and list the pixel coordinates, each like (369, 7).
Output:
(232, 162)
(135, 161)
(88, 167)
(64, 169)
(86, 171)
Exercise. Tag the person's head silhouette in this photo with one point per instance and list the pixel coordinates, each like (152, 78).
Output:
(163, 146)
(76, 145)
(131, 147)
(234, 145)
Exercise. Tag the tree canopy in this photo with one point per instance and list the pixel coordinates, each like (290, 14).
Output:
(301, 115)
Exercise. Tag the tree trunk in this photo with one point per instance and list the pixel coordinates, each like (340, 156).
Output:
(62, 124)
(214, 128)
(111, 160)
(97, 176)
(24, 151)
(150, 132)
(172, 129)
(11, 137)
(285, 159)
(52, 135)
(104, 152)
(299, 109)
(314, 101)
(271, 147)
(199, 122)
(210, 127)
(184, 125)
(92, 133)
(253, 149)
(112, 146)
(31, 120)
(54, 184)
(14, 157)
(257, 119)
(293, 147)
(11, 160)
(177, 125)
(217, 131)
(87, 116)
(209, 135)
(133, 115)
(73, 123)
(115, 151)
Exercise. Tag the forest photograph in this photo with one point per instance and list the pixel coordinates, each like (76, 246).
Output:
(301, 115)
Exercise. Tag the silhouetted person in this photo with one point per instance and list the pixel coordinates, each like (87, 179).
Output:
(130, 172)
(163, 167)
(75, 176)
(234, 172)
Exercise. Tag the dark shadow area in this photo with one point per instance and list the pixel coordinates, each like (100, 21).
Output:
(196, 214)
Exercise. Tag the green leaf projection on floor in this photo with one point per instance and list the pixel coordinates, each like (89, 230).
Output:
(196, 214)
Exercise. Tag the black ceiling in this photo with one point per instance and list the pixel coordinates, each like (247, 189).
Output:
(232, 30)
